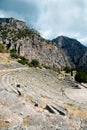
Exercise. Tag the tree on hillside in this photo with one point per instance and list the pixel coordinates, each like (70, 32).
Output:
(81, 76)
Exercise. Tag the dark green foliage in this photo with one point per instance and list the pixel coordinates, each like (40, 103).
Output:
(13, 54)
(2, 49)
(30, 65)
(34, 63)
(81, 76)
(12, 51)
(23, 60)
(67, 69)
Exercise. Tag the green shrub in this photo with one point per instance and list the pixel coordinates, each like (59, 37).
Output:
(30, 65)
(81, 76)
(23, 60)
(34, 63)
(67, 69)
(13, 51)
(13, 54)
(40, 67)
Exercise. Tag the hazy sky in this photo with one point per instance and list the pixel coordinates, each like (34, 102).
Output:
(50, 17)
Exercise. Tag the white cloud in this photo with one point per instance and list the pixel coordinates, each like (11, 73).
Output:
(2, 14)
(65, 17)
(51, 17)
(83, 40)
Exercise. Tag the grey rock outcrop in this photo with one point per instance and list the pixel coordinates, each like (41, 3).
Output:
(83, 62)
(74, 50)
(11, 22)
(28, 43)
(46, 53)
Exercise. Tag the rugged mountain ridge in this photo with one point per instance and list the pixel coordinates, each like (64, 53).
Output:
(11, 22)
(74, 50)
(28, 43)
(60, 52)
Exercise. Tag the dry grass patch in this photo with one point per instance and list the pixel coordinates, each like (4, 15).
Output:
(76, 111)
(26, 120)
(4, 123)
(4, 57)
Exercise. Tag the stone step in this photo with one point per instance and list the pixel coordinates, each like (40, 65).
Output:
(56, 109)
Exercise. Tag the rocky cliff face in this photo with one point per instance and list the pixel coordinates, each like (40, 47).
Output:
(60, 52)
(74, 50)
(83, 62)
(11, 22)
(29, 43)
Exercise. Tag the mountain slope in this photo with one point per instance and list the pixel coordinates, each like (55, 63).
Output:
(28, 43)
(72, 48)
(83, 62)
(60, 52)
